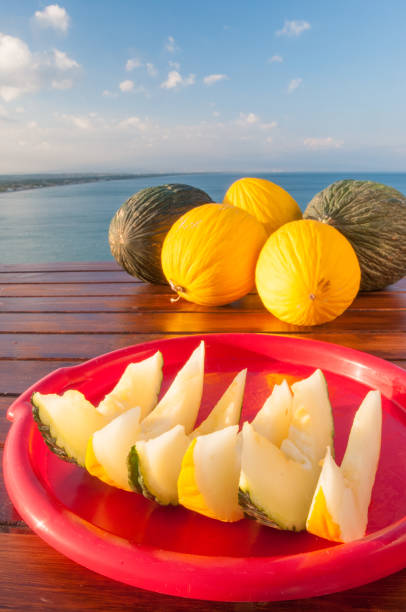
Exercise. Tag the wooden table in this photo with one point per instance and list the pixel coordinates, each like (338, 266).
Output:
(53, 315)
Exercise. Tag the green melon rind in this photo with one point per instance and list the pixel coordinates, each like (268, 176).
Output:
(136, 478)
(251, 510)
(49, 439)
(372, 216)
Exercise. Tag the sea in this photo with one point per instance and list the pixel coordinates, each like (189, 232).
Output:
(70, 222)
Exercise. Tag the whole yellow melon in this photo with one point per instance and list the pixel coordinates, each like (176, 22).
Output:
(210, 253)
(307, 273)
(266, 201)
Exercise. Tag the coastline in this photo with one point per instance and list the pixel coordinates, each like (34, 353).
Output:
(12, 183)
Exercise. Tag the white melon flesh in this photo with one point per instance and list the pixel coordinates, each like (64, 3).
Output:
(273, 488)
(181, 402)
(312, 425)
(155, 465)
(274, 418)
(208, 481)
(277, 483)
(66, 422)
(139, 385)
(227, 411)
(339, 510)
(111, 446)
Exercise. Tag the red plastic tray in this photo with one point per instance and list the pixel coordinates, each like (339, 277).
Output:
(172, 550)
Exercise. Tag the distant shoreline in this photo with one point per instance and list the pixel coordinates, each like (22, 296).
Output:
(15, 183)
(10, 183)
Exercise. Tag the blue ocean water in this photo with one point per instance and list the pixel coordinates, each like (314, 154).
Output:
(70, 222)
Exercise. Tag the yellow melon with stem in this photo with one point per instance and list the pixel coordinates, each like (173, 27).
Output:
(210, 253)
(307, 273)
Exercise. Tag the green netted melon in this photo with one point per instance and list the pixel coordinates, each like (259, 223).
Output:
(372, 217)
(140, 225)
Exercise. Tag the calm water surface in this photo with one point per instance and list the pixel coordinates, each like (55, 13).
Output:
(70, 223)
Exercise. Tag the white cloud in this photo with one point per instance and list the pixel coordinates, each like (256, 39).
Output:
(275, 59)
(322, 143)
(126, 86)
(294, 84)
(63, 62)
(294, 28)
(268, 126)
(53, 16)
(210, 79)
(79, 121)
(171, 45)
(133, 122)
(22, 71)
(109, 94)
(91, 141)
(175, 79)
(133, 63)
(247, 119)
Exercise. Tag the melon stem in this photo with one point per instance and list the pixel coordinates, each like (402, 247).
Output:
(177, 289)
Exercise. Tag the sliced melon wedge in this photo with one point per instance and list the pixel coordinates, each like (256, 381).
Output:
(108, 448)
(277, 483)
(339, 509)
(274, 418)
(274, 489)
(66, 422)
(139, 385)
(208, 479)
(181, 402)
(154, 465)
(227, 411)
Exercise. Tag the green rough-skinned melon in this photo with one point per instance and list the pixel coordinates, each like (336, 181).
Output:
(139, 226)
(372, 216)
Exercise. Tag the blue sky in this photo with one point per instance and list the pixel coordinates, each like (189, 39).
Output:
(277, 85)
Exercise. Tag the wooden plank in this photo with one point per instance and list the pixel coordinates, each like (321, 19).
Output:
(388, 345)
(4, 423)
(9, 516)
(190, 322)
(77, 289)
(16, 377)
(36, 577)
(61, 276)
(68, 346)
(58, 266)
(158, 299)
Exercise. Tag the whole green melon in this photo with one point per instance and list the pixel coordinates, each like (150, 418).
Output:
(138, 228)
(372, 217)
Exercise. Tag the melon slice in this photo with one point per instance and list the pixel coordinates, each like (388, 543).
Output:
(339, 510)
(277, 483)
(181, 402)
(208, 479)
(108, 448)
(66, 423)
(154, 465)
(227, 411)
(139, 385)
(274, 418)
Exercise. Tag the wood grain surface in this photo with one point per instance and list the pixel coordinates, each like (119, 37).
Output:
(58, 314)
